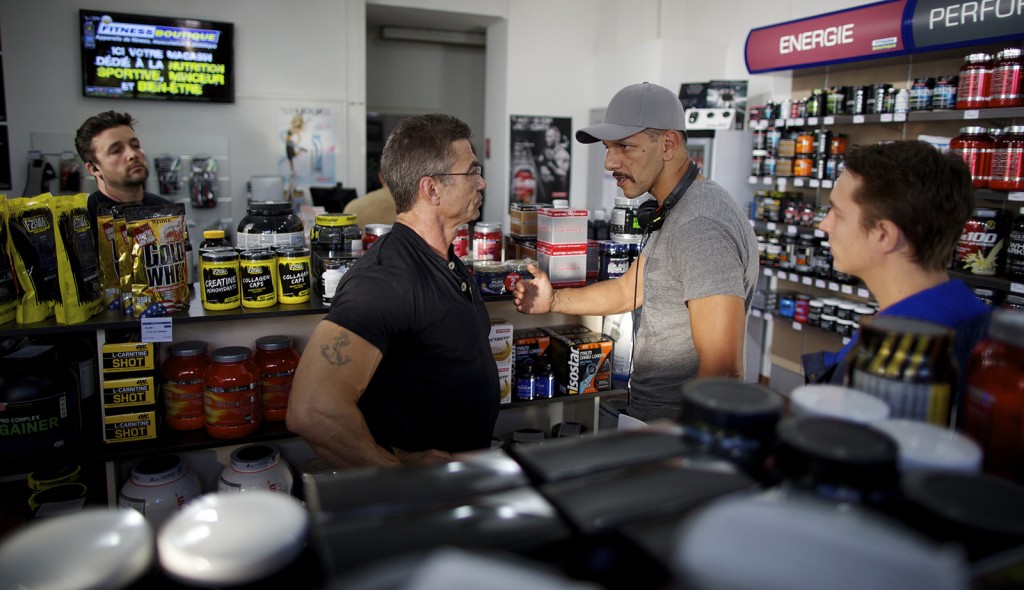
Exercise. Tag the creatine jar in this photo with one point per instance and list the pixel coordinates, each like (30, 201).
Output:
(39, 405)
(270, 224)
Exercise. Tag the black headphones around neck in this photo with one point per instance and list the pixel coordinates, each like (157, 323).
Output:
(650, 216)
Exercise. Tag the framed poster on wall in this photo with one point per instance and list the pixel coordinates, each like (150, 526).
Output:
(541, 159)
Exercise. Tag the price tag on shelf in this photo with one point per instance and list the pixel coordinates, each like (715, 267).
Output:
(830, 120)
(783, 276)
(768, 272)
(767, 181)
(1018, 196)
(814, 183)
(846, 340)
(819, 233)
(798, 122)
(826, 184)
(798, 182)
(858, 119)
(812, 121)
(157, 329)
(863, 293)
(752, 180)
(770, 226)
(833, 286)
(755, 313)
(798, 326)
(846, 289)
(1016, 288)
(780, 122)
(885, 118)
(971, 114)
(899, 117)
(819, 283)
(807, 281)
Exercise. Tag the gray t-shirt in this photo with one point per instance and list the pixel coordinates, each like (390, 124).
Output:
(706, 247)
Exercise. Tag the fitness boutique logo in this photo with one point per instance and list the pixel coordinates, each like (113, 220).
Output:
(110, 30)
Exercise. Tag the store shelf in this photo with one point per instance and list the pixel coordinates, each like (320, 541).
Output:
(899, 118)
(997, 283)
(853, 290)
(514, 405)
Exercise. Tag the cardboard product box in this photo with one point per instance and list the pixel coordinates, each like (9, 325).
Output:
(582, 363)
(566, 264)
(528, 249)
(128, 357)
(530, 344)
(511, 247)
(505, 382)
(130, 426)
(522, 220)
(562, 226)
(129, 392)
(501, 340)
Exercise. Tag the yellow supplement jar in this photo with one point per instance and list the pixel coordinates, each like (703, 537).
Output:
(218, 271)
(293, 271)
(258, 272)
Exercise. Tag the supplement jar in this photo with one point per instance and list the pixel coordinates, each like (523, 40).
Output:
(487, 241)
(159, 488)
(232, 404)
(525, 384)
(258, 271)
(183, 384)
(732, 420)
(277, 360)
(1008, 160)
(614, 260)
(944, 93)
(373, 233)
(1015, 250)
(41, 404)
(979, 250)
(461, 242)
(975, 82)
(218, 273)
(293, 271)
(214, 238)
(975, 146)
(333, 271)
(256, 468)
(1006, 90)
(334, 236)
(623, 225)
(270, 224)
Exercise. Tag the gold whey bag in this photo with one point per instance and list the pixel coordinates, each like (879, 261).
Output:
(159, 273)
(35, 257)
(8, 284)
(77, 264)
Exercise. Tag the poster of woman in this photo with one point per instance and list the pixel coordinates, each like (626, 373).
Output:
(541, 158)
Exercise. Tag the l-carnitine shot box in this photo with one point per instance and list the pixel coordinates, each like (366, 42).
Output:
(129, 427)
(129, 392)
(582, 363)
(128, 357)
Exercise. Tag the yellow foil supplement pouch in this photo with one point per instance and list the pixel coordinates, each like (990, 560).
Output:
(122, 257)
(159, 279)
(8, 284)
(77, 265)
(35, 257)
(107, 255)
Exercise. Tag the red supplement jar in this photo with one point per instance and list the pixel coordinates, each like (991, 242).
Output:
(183, 387)
(994, 404)
(487, 241)
(277, 360)
(232, 404)
(1006, 80)
(975, 146)
(975, 82)
(1008, 160)
(461, 243)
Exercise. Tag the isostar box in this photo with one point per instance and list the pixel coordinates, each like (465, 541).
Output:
(566, 264)
(129, 392)
(129, 427)
(562, 226)
(522, 220)
(505, 382)
(582, 363)
(501, 340)
(128, 357)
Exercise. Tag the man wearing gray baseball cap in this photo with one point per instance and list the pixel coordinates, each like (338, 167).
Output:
(696, 274)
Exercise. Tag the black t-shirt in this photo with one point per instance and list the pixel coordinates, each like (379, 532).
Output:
(437, 383)
(97, 197)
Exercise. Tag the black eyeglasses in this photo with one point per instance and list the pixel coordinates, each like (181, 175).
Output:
(476, 170)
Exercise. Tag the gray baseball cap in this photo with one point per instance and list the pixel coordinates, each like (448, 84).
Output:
(633, 109)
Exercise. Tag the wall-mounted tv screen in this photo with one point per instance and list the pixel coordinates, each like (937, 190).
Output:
(152, 57)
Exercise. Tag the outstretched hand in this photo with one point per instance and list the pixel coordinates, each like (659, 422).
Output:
(534, 296)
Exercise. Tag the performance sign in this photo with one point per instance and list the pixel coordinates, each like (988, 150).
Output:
(133, 56)
(946, 23)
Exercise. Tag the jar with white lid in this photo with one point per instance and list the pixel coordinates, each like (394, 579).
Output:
(256, 468)
(159, 487)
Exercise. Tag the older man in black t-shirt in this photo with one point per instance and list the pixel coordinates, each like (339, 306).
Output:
(400, 370)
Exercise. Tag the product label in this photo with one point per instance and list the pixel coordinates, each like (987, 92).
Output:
(122, 393)
(232, 406)
(1015, 254)
(973, 86)
(129, 427)
(275, 389)
(38, 418)
(1008, 165)
(249, 241)
(295, 281)
(258, 283)
(183, 399)
(1005, 82)
(924, 402)
(127, 357)
(220, 285)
